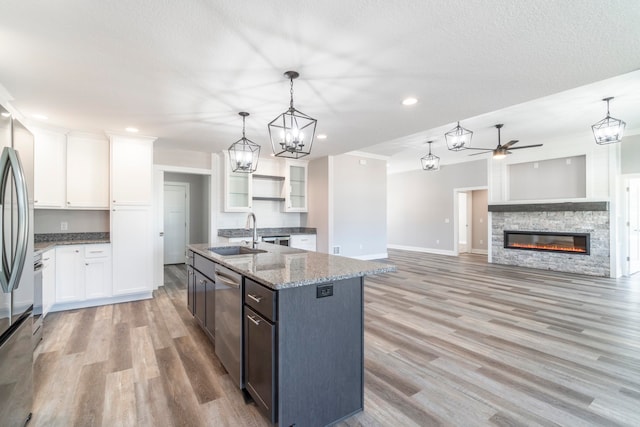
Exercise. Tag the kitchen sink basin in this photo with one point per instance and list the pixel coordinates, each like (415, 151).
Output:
(236, 250)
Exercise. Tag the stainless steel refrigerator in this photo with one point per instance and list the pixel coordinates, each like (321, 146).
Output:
(16, 271)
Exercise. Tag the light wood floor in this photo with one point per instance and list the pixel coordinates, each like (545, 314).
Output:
(448, 341)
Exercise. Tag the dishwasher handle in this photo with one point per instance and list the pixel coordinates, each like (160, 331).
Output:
(229, 281)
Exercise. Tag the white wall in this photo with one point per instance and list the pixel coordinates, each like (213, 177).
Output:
(319, 209)
(360, 206)
(198, 204)
(182, 158)
(421, 207)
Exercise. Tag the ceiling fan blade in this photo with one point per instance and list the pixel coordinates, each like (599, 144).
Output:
(525, 146)
(483, 149)
(475, 154)
(510, 143)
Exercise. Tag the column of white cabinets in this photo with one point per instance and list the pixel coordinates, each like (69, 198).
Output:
(131, 214)
(71, 171)
(48, 280)
(82, 272)
(295, 185)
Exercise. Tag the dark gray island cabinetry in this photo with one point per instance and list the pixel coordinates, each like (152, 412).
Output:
(302, 330)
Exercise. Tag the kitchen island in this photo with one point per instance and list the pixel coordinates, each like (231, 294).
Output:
(287, 325)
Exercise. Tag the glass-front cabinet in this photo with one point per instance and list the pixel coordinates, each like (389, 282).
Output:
(296, 186)
(237, 189)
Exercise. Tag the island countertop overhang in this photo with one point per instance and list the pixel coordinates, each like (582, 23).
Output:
(281, 267)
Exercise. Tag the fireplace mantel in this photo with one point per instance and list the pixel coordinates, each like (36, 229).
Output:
(551, 207)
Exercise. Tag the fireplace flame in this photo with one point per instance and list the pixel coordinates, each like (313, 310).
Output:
(548, 247)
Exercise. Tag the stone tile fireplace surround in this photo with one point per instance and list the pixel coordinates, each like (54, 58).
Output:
(583, 217)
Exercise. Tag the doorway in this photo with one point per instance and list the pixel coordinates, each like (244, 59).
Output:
(464, 221)
(176, 221)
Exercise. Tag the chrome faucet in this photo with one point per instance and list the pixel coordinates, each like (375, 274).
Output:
(255, 229)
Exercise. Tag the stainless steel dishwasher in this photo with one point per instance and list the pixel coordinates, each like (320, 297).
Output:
(228, 325)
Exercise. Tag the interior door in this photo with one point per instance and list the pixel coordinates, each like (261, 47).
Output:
(175, 222)
(463, 222)
(634, 226)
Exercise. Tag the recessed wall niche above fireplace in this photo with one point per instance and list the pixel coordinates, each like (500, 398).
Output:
(573, 243)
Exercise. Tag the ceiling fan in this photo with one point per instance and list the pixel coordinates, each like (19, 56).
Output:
(502, 150)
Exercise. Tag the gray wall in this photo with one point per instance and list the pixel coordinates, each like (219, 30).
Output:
(630, 153)
(359, 205)
(563, 178)
(420, 202)
(198, 204)
(318, 215)
(48, 221)
(479, 230)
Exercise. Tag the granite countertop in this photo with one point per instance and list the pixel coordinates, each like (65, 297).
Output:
(44, 242)
(283, 267)
(273, 231)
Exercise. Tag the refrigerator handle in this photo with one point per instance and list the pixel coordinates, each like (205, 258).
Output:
(10, 166)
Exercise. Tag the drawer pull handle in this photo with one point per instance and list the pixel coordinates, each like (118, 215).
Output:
(255, 298)
(253, 319)
(96, 252)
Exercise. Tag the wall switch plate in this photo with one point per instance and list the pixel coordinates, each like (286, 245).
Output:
(323, 291)
(64, 226)
(336, 250)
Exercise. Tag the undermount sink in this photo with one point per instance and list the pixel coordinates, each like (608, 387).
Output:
(236, 250)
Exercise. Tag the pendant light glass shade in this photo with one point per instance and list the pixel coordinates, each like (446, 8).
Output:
(244, 153)
(292, 132)
(458, 138)
(608, 130)
(430, 162)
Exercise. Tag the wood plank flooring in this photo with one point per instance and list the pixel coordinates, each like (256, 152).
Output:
(448, 341)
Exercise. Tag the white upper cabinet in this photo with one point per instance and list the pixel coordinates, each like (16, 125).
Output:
(295, 186)
(87, 172)
(49, 169)
(238, 190)
(131, 170)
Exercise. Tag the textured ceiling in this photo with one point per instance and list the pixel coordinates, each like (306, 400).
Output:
(181, 70)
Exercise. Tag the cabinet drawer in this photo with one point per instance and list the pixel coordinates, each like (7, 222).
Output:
(260, 298)
(205, 266)
(97, 251)
(189, 260)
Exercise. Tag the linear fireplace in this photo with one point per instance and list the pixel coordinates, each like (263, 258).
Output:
(574, 243)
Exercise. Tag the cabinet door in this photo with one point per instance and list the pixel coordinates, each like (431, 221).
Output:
(87, 172)
(238, 189)
(191, 281)
(303, 241)
(97, 277)
(210, 309)
(48, 280)
(295, 186)
(69, 275)
(49, 169)
(131, 250)
(131, 170)
(200, 306)
(259, 367)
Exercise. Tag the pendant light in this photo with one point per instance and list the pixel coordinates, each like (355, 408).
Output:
(244, 153)
(458, 138)
(430, 162)
(609, 129)
(292, 132)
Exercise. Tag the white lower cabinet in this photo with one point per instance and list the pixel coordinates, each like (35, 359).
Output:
(48, 280)
(132, 251)
(82, 272)
(303, 241)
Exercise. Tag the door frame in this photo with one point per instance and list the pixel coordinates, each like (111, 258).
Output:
(187, 203)
(456, 221)
(625, 236)
(158, 208)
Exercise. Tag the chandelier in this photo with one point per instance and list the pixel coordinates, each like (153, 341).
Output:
(292, 132)
(244, 153)
(608, 130)
(458, 138)
(430, 162)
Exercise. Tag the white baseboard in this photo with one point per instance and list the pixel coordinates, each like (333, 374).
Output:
(480, 251)
(100, 301)
(421, 249)
(371, 256)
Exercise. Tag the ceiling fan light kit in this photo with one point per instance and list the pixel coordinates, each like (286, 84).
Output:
(430, 162)
(244, 153)
(458, 138)
(292, 132)
(608, 130)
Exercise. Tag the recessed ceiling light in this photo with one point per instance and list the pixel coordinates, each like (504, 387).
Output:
(132, 129)
(40, 116)
(409, 101)
(321, 136)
